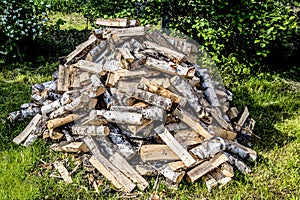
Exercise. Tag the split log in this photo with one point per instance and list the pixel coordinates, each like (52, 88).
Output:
(167, 172)
(146, 170)
(90, 67)
(209, 148)
(240, 165)
(177, 165)
(210, 182)
(173, 55)
(205, 167)
(51, 124)
(63, 79)
(128, 170)
(75, 147)
(227, 169)
(182, 153)
(81, 48)
(222, 132)
(242, 119)
(124, 32)
(120, 117)
(195, 125)
(28, 130)
(150, 98)
(125, 57)
(90, 130)
(63, 171)
(176, 126)
(157, 152)
(217, 116)
(30, 140)
(220, 177)
(240, 150)
(118, 22)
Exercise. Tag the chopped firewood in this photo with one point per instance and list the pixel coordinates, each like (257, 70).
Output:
(129, 171)
(90, 130)
(240, 165)
(28, 130)
(205, 167)
(177, 165)
(63, 171)
(124, 32)
(187, 137)
(30, 140)
(61, 121)
(182, 153)
(210, 182)
(242, 119)
(242, 151)
(227, 169)
(222, 132)
(209, 148)
(146, 170)
(121, 117)
(113, 22)
(220, 177)
(157, 152)
(173, 176)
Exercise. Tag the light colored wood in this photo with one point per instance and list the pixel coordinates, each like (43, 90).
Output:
(124, 32)
(51, 124)
(210, 182)
(222, 132)
(63, 171)
(90, 130)
(173, 55)
(150, 98)
(173, 176)
(75, 147)
(233, 113)
(146, 170)
(30, 139)
(209, 148)
(177, 165)
(205, 167)
(217, 116)
(128, 170)
(63, 79)
(187, 137)
(125, 57)
(28, 130)
(121, 117)
(160, 152)
(79, 49)
(50, 107)
(117, 22)
(227, 169)
(220, 177)
(161, 91)
(195, 125)
(89, 66)
(182, 153)
(242, 119)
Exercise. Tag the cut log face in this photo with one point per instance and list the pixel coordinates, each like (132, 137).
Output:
(157, 152)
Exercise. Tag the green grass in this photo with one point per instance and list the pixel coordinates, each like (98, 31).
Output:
(273, 102)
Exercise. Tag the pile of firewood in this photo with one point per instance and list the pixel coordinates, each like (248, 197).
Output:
(135, 103)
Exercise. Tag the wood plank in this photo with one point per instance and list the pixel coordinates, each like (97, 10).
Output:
(177, 165)
(124, 32)
(182, 153)
(222, 132)
(63, 171)
(29, 129)
(242, 119)
(205, 167)
(161, 152)
(227, 169)
(128, 170)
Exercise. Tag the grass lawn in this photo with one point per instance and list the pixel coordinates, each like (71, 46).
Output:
(273, 101)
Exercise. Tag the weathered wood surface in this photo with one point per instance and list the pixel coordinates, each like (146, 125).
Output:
(118, 22)
(205, 167)
(209, 148)
(28, 130)
(222, 132)
(124, 32)
(182, 153)
(90, 130)
(173, 176)
(51, 124)
(63, 171)
(157, 152)
(242, 119)
(129, 171)
(121, 117)
(240, 150)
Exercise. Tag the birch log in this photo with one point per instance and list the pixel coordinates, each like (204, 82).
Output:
(121, 117)
(51, 124)
(240, 150)
(240, 165)
(90, 130)
(209, 148)
(118, 22)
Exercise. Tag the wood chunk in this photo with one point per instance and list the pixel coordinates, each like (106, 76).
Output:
(125, 57)
(241, 166)
(63, 80)
(210, 182)
(30, 140)
(75, 147)
(128, 170)
(150, 98)
(222, 132)
(177, 165)
(227, 169)
(187, 137)
(79, 49)
(175, 177)
(220, 177)
(173, 55)
(182, 153)
(241, 151)
(118, 22)
(161, 152)
(209, 148)
(146, 170)
(90, 130)
(28, 130)
(51, 124)
(242, 119)
(124, 32)
(192, 123)
(90, 67)
(63, 171)
(205, 167)
(120, 117)
(217, 116)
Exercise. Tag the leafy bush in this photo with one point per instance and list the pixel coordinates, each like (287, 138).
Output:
(64, 6)
(21, 21)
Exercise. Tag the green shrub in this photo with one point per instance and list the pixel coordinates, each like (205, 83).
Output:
(64, 6)
(21, 21)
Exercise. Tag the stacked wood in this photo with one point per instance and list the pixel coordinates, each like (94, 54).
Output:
(139, 104)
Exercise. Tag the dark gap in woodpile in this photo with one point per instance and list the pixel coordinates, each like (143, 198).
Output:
(134, 102)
